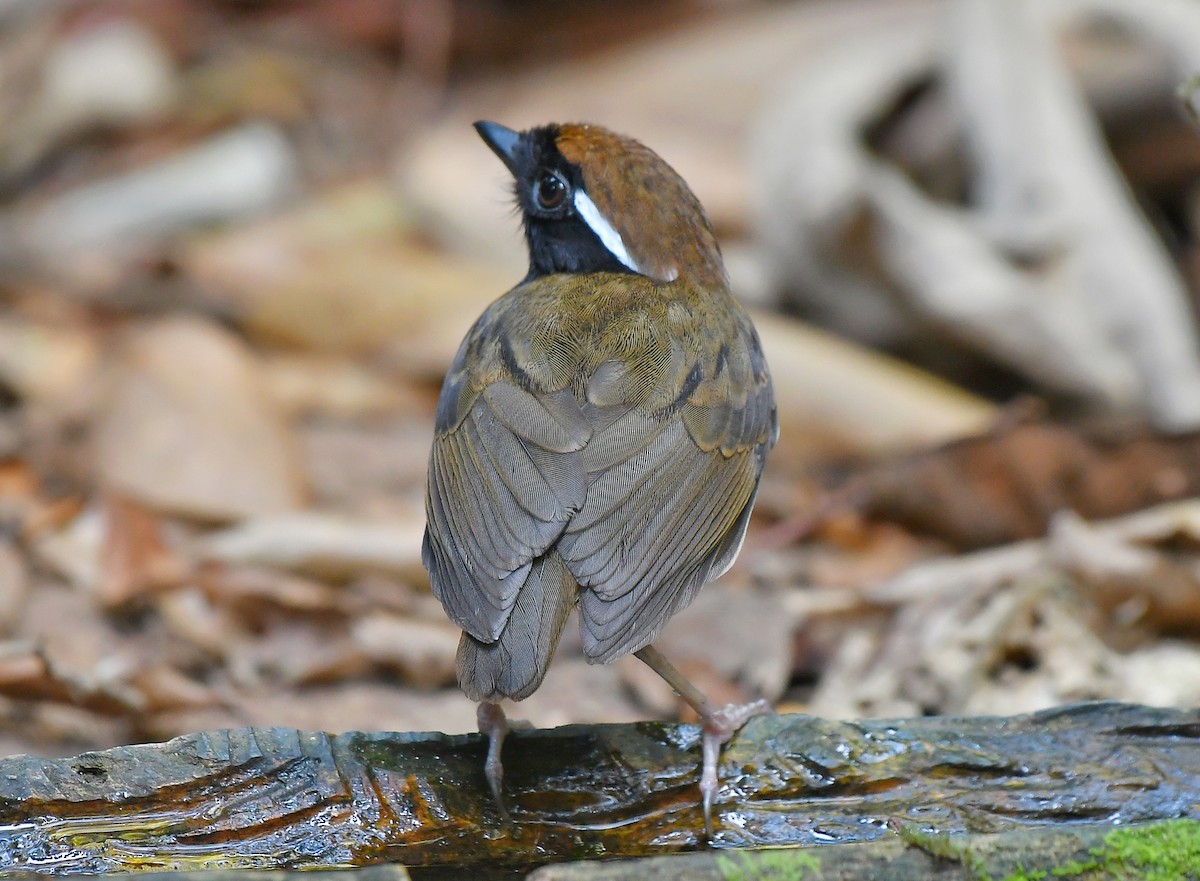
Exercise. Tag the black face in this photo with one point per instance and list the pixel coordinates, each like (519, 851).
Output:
(559, 240)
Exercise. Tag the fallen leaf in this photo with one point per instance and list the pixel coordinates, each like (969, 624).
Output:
(191, 615)
(134, 557)
(739, 639)
(324, 386)
(252, 588)
(189, 427)
(322, 545)
(74, 550)
(1006, 485)
(343, 274)
(14, 584)
(43, 362)
(422, 652)
(370, 468)
(288, 652)
(27, 674)
(353, 706)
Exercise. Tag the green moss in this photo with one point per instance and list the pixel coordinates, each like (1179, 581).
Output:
(783, 864)
(1073, 868)
(946, 847)
(1022, 875)
(1167, 851)
(938, 844)
(1164, 851)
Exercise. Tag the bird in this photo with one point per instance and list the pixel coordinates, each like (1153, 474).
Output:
(600, 434)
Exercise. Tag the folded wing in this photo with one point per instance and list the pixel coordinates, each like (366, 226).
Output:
(505, 477)
(670, 495)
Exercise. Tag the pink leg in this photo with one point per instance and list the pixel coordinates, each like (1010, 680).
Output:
(719, 724)
(493, 723)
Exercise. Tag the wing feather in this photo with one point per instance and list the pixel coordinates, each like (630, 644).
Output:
(622, 546)
(663, 567)
(670, 498)
(511, 460)
(553, 422)
(626, 484)
(503, 481)
(515, 663)
(614, 627)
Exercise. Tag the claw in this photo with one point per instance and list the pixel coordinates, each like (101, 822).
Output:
(710, 746)
(494, 724)
(719, 725)
(719, 728)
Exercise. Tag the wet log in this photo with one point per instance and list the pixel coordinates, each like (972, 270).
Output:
(284, 799)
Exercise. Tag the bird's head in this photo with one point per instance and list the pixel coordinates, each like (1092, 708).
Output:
(595, 201)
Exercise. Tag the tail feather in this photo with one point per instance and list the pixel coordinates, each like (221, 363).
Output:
(514, 665)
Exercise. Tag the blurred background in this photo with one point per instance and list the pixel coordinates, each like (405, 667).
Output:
(241, 239)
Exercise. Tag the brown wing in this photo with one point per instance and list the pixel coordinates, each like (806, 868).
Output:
(505, 477)
(670, 493)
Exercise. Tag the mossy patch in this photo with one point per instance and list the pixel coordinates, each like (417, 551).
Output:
(943, 846)
(782, 864)
(1166, 851)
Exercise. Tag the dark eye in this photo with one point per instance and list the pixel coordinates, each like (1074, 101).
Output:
(551, 191)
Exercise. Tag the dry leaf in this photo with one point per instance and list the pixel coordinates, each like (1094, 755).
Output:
(252, 588)
(192, 616)
(340, 275)
(422, 652)
(190, 428)
(734, 636)
(14, 584)
(353, 706)
(44, 362)
(290, 652)
(1007, 485)
(322, 545)
(27, 674)
(374, 468)
(324, 386)
(134, 558)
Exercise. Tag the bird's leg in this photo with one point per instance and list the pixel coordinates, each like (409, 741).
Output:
(720, 724)
(492, 722)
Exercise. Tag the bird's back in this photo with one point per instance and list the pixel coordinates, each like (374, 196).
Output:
(597, 442)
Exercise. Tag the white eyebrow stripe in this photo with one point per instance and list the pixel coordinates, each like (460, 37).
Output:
(609, 237)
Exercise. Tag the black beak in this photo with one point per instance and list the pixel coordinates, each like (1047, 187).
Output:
(503, 141)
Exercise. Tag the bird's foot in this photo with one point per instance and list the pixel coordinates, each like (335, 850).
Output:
(494, 724)
(719, 727)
